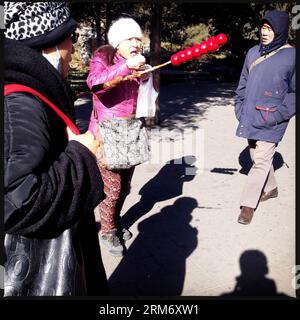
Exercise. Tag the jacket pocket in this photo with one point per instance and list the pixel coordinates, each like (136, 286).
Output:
(266, 117)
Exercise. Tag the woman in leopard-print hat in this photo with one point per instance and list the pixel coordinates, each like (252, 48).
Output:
(52, 181)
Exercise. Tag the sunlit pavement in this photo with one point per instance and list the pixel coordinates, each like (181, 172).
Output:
(186, 239)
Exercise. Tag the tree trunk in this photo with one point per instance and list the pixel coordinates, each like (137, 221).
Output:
(155, 56)
(97, 11)
(109, 8)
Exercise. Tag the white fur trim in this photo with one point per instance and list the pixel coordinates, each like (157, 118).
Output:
(123, 29)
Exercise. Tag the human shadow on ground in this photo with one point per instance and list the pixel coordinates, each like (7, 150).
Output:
(246, 162)
(166, 184)
(155, 263)
(252, 281)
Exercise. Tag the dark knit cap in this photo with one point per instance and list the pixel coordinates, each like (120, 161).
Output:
(38, 25)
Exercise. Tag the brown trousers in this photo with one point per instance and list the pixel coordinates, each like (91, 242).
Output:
(261, 176)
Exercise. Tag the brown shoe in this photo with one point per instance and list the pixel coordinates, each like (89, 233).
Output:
(268, 195)
(246, 215)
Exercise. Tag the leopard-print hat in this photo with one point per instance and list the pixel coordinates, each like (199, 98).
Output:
(38, 25)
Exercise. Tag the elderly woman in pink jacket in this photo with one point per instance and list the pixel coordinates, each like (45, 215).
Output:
(120, 58)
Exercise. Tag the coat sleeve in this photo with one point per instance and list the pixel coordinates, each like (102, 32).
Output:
(44, 194)
(288, 107)
(241, 90)
(100, 73)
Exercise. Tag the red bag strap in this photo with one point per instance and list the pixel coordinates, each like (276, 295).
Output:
(11, 88)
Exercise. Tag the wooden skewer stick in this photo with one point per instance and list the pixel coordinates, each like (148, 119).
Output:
(118, 80)
(155, 67)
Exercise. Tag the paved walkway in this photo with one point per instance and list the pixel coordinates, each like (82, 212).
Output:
(186, 237)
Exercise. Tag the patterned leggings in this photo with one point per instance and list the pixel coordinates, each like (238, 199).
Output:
(116, 188)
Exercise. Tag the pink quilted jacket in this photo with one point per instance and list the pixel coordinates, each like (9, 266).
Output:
(119, 101)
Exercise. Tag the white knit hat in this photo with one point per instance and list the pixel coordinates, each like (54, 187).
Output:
(123, 29)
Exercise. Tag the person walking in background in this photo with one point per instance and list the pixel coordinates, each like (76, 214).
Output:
(51, 181)
(121, 57)
(264, 104)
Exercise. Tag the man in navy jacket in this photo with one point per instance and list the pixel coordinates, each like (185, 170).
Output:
(264, 103)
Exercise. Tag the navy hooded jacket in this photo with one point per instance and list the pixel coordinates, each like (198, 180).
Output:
(265, 97)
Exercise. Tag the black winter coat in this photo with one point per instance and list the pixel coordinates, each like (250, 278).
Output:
(51, 188)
